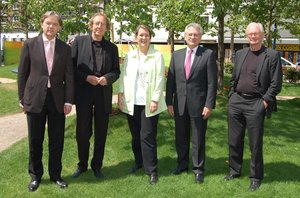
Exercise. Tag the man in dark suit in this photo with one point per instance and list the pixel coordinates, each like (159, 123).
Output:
(190, 96)
(46, 90)
(96, 67)
(255, 82)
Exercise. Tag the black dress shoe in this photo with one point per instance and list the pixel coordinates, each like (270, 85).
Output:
(61, 183)
(78, 172)
(153, 178)
(33, 185)
(178, 170)
(231, 177)
(254, 185)
(135, 168)
(98, 173)
(199, 178)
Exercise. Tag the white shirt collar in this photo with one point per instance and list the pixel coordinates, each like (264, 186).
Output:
(194, 49)
(45, 39)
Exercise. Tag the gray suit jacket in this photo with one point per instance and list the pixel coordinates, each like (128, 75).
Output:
(201, 87)
(268, 75)
(33, 75)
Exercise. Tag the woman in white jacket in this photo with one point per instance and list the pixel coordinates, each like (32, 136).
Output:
(141, 97)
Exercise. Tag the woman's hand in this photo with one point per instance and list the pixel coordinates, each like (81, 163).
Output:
(120, 101)
(153, 106)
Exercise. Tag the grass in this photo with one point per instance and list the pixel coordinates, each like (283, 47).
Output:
(290, 89)
(6, 71)
(8, 92)
(9, 99)
(12, 55)
(281, 157)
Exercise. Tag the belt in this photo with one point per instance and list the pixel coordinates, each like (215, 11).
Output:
(249, 96)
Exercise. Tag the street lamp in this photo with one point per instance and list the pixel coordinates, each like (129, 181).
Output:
(2, 8)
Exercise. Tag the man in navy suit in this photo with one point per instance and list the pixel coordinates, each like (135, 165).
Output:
(190, 97)
(46, 91)
(255, 82)
(96, 67)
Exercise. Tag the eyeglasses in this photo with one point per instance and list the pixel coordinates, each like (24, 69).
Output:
(193, 35)
(99, 24)
(253, 34)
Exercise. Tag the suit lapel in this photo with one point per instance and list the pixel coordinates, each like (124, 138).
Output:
(261, 60)
(197, 58)
(241, 62)
(57, 53)
(181, 61)
(41, 50)
(89, 48)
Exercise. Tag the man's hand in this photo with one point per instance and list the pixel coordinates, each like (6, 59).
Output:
(67, 109)
(171, 110)
(265, 104)
(206, 112)
(21, 106)
(93, 80)
(102, 81)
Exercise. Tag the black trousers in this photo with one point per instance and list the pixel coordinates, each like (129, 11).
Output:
(183, 125)
(246, 114)
(36, 131)
(143, 131)
(92, 108)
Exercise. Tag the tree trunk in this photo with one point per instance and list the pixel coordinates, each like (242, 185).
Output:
(232, 44)
(268, 34)
(171, 40)
(221, 52)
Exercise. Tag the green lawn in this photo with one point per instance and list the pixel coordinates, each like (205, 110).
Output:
(6, 71)
(281, 157)
(290, 89)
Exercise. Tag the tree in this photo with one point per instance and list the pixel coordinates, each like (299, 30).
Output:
(283, 13)
(236, 23)
(75, 14)
(174, 15)
(129, 15)
(221, 9)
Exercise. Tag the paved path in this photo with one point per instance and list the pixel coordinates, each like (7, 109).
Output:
(14, 128)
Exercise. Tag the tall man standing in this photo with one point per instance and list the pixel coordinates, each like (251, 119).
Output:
(190, 97)
(96, 66)
(255, 82)
(45, 82)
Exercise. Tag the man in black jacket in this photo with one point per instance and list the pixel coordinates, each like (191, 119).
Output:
(255, 82)
(46, 93)
(96, 67)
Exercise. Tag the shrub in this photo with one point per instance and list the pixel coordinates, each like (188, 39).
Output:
(228, 68)
(292, 75)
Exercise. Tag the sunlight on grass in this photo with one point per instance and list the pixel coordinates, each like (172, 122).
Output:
(281, 141)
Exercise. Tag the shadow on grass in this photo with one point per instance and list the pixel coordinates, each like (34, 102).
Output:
(282, 172)
(285, 122)
(165, 167)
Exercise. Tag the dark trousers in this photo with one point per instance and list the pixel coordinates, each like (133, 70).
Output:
(183, 125)
(36, 131)
(143, 131)
(246, 114)
(93, 106)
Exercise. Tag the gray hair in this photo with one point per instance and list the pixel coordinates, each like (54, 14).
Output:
(259, 25)
(194, 25)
